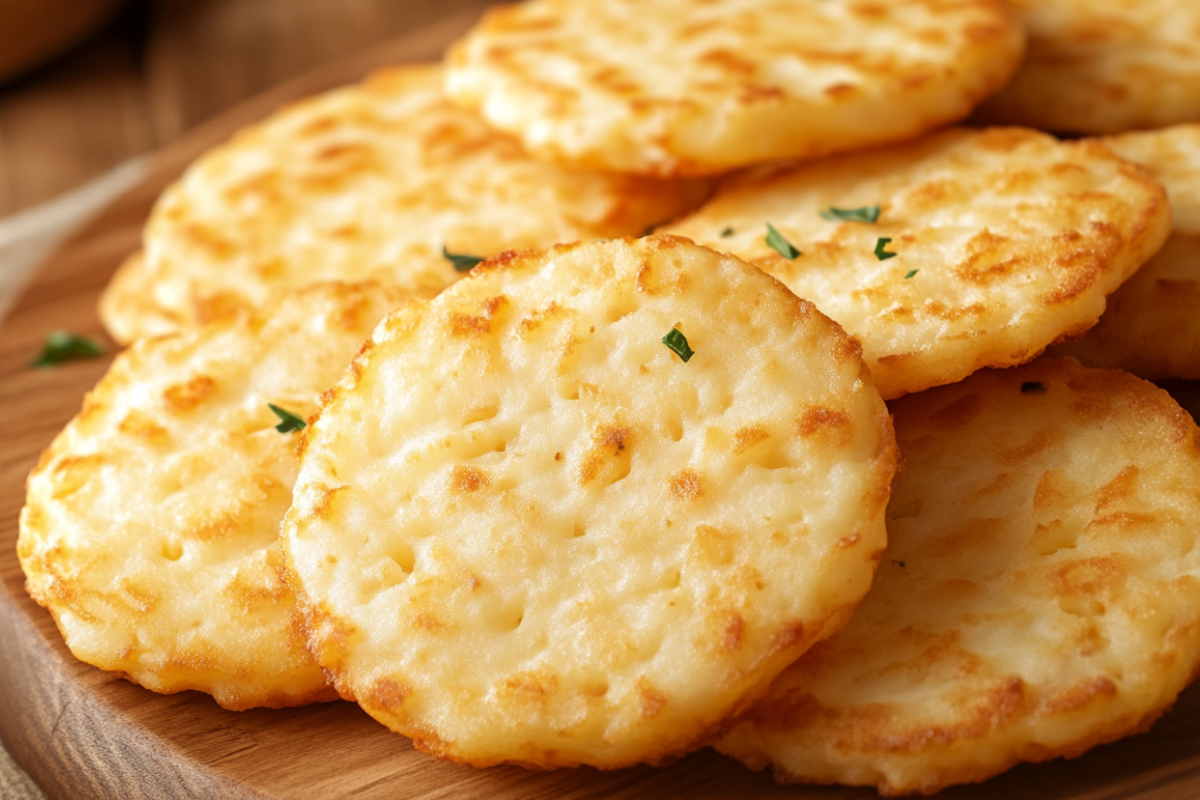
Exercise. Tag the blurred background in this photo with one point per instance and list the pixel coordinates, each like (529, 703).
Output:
(88, 84)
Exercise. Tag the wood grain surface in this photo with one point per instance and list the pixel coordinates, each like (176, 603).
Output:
(83, 733)
(164, 66)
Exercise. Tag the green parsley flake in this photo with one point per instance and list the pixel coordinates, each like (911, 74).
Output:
(1032, 387)
(677, 343)
(879, 252)
(66, 346)
(725, 234)
(461, 263)
(910, 273)
(288, 421)
(865, 214)
(780, 245)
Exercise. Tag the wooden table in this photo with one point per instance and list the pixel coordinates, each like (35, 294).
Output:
(164, 66)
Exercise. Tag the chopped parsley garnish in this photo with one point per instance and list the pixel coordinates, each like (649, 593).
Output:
(881, 254)
(865, 214)
(462, 263)
(725, 234)
(677, 343)
(780, 245)
(910, 273)
(1032, 387)
(63, 346)
(288, 421)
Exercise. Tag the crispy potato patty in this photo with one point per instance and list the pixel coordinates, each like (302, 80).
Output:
(988, 246)
(1151, 326)
(368, 182)
(1104, 66)
(1040, 594)
(526, 531)
(673, 87)
(151, 525)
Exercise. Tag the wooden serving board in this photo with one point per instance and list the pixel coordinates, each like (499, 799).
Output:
(81, 732)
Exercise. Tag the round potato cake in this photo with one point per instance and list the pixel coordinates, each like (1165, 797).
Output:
(384, 181)
(527, 530)
(1103, 66)
(681, 87)
(151, 524)
(1151, 327)
(1040, 594)
(961, 250)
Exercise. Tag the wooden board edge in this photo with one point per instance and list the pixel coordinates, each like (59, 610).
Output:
(71, 744)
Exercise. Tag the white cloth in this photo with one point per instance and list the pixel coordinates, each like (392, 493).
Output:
(28, 237)
(15, 784)
(25, 239)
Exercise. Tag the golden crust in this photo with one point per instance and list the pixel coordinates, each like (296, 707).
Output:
(681, 87)
(129, 310)
(526, 531)
(1151, 327)
(151, 524)
(1006, 240)
(1040, 594)
(1103, 66)
(367, 182)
